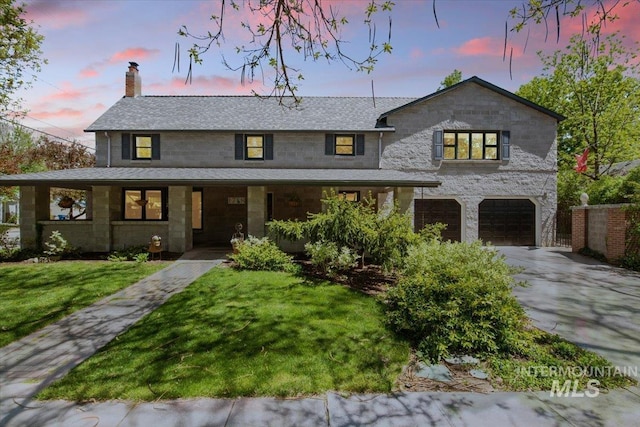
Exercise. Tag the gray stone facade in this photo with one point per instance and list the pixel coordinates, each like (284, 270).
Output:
(398, 148)
(530, 173)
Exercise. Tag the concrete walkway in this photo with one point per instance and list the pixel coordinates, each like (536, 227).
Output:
(32, 363)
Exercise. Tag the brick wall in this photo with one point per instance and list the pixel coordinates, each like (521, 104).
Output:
(578, 229)
(602, 228)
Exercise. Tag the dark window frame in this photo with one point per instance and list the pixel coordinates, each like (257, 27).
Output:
(134, 148)
(164, 203)
(469, 134)
(246, 146)
(344, 135)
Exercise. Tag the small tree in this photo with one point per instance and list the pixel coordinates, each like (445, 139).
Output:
(454, 78)
(385, 237)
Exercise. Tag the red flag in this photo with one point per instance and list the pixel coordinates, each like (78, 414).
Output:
(581, 161)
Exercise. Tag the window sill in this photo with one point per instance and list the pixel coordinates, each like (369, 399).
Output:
(140, 161)
(65, 221)
(473, 162)
(139, 222)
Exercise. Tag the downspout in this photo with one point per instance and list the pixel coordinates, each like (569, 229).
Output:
(108, 149)
(380, 151)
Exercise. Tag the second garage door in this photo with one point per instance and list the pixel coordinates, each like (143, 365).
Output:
(507, 222)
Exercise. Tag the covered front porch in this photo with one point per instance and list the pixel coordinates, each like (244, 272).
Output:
(193, 207)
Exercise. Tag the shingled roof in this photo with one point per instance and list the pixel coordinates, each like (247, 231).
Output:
(86, 177)
(249, 113)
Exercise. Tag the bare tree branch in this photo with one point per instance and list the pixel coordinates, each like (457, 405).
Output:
(289, 27)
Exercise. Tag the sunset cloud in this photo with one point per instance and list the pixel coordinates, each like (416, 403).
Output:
(202, 85)
(123, 56)
(480, 46)
(62, 113)
(416, 53)
(56, 14)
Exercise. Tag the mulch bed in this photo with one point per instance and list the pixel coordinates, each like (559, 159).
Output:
(370, 280)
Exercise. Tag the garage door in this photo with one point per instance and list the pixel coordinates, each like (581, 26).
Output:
(507, 222)
(446, 211)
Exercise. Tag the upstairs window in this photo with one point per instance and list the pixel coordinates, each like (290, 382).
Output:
(344, 144)
(470, 145)
(253, 147)
(140, 147)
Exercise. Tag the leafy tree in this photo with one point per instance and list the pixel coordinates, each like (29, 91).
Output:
(20, 53)
(21, 152)
(454, 78)
(594, 83)
(16, 145)
(540, 11)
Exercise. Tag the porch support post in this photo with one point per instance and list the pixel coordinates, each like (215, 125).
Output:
(34, 207)
(104, 205)
(256, 210)
(180, 221)
(403, 196)
(471, 217)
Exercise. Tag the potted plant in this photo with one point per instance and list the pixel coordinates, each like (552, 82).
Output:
(237, 238)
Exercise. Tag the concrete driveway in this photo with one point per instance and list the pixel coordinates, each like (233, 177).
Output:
(590, 303)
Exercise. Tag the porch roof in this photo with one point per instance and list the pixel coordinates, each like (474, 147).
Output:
(87, 177)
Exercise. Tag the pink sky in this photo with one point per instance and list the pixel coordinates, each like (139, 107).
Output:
(88, 45)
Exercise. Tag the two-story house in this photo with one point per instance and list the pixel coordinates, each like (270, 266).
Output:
(188, 168)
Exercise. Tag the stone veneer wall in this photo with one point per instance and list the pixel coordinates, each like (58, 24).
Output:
(530, 173)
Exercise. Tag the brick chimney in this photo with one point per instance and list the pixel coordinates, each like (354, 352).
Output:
(133, 84)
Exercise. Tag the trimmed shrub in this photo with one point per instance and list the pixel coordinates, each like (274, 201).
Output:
(262, 254)
(456, 298)
(57, 245)
(328, 258)
(137, 253)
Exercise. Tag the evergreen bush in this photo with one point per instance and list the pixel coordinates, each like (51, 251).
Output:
(262, 254)
(456, 298)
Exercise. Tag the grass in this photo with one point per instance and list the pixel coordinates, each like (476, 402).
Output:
(35, 295)
(550, 358)
(245, 333)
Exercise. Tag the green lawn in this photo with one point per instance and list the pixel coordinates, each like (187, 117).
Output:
(245, 334)
(35, 295)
